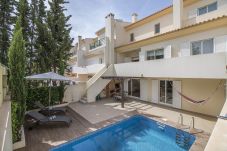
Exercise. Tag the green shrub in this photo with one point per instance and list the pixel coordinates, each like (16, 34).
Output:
(16, 124)
(41, 94)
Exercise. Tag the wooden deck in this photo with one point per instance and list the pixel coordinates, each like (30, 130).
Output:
(44, 138)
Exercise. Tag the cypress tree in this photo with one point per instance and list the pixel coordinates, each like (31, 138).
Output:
(33, 36)
(60, 29)
(17, 65)
(24, 13)
(44, 42)
(7, 19)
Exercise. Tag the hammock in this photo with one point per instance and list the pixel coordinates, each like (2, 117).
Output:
(198, 101)
(192, 100)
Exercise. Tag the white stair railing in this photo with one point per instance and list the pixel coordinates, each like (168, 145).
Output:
(95, 77)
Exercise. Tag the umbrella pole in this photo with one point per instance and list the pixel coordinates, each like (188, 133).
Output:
(50, 95)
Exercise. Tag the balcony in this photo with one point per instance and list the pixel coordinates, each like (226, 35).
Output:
(210, 66)
(90, 69)
(97, 44)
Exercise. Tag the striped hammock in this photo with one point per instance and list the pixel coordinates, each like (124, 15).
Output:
(199, 101)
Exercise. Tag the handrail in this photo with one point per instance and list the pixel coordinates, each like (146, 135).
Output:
(95, 77)
(97, 43)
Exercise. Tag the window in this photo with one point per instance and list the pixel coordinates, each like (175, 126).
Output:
(132, 37)
(202, 47)
(100, 60)
(157, 28)
(135, 59)
(155, 54)
(208, 8)
(166, 92)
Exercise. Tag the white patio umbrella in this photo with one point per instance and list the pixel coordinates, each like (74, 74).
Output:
(49, 76)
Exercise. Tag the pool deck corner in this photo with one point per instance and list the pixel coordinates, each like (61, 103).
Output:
(44, 138)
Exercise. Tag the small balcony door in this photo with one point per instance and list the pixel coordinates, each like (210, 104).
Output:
(166, 92)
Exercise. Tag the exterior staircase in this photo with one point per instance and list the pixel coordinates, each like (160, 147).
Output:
(84, 99)
(96, 84)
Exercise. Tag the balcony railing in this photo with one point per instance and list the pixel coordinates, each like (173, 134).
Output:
(97, 43)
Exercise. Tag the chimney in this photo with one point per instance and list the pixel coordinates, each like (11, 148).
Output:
(79, 52)
(178, 13)
(134, 17)
(109, 54)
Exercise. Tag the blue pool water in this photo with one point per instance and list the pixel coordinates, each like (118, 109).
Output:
(137, 133)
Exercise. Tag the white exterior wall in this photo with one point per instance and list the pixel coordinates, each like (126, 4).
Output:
(121, 35)
(94, 60)
(172, 20)
(178, 44)
(177, 13)
(194, 88)
(147, 30)
(73, 93)
(6, 143)
(190, 12)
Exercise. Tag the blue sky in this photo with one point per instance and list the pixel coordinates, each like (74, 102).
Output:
(88, 16)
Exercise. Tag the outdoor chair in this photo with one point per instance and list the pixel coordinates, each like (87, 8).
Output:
(39, 119)
(49, 111)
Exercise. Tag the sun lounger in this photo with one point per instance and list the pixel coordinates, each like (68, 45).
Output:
(49, 120)
(48, 111)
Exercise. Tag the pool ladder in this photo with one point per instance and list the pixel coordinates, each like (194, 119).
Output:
(182, 139)
(161, 126)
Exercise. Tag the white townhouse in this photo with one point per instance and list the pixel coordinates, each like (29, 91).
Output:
(175, 55)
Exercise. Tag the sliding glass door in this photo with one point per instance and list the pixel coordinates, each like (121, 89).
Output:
(134, 88)
(166, 92)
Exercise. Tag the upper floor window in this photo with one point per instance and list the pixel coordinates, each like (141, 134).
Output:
(207, 9)
(100, 60)
(132, 37)
(155, 54)
(157, 28)
(202, 47)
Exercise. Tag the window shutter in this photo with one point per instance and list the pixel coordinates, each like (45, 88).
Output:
(192, 14)
(185, 49)
(168, 52)
(176, 96)
(220, 44)
(142, 56)
(144, 89)
(155, 91)
(127, 59)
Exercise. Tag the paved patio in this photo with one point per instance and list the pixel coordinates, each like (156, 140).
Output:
(108, 108)
(44, 138)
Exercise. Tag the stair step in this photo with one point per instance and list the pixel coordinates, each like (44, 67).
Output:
(83, 100)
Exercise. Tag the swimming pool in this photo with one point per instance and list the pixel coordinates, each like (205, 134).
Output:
(137, 133)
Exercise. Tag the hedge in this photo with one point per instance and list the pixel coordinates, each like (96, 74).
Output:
(41, 94)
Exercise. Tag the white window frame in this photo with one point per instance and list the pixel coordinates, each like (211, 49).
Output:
(132, 37)
(131, 88)
(201, 44)
(207, 10)
(159, 29)
(154, 52)
(165, 103)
